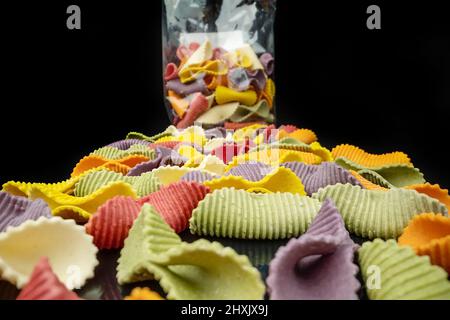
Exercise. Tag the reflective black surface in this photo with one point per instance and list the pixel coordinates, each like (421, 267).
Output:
(104, 285)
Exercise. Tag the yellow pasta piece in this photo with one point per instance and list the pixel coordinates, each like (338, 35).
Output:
(274, 157)
(23, 188)
(280, 180)
(225, 95)
(80, 208)
(199, 56)
(246, 132)
(214, 68)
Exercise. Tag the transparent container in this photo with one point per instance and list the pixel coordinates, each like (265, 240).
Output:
(218, 62)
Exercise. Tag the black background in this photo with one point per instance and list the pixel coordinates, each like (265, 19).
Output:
(66, 92)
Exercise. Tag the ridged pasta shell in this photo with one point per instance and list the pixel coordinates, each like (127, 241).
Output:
(198, 270)
(66, 245)
(378, 214)
(240, 214)
(400, 273)
(429, 234)
(368, 160)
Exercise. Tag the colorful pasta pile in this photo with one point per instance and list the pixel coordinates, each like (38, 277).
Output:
(330, 223)
(212, 86)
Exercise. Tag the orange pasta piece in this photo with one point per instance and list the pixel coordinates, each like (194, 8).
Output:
(429, 234)
(120, 165)
(302, 135)
(434, 191)
(369, 160)
(366, 183)
(179, 105)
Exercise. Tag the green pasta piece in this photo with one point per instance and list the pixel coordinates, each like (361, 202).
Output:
(232, 213)
(148, 237)
(399, 175)
(186, 271)
(393, 272)
(137, 135)
(143, 184)
(115, 153)
(290, 141)
(299, 146)
(236, 112)
(376, 213)
(260, 253)
(261, 110)
(376, 178)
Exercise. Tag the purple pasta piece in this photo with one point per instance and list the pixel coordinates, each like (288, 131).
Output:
(257, 79)
(218, 132)
(144, 167)
(315, 177)
(267, 61)
(127, 143)
(185, 89)
(302, 170)
(250, 171)
(238, 79)
(147, 166)
(319, 264)
(197, 176)
(173, 159)
(15, 210)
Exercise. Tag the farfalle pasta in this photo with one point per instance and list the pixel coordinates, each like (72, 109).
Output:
(255, 188)
(368, 160)
(153, 250)
(114, 153)
(429, 234)
(62, 241)
(176, 201)
(376, 213)
(404, 275)
(244, 215)
(279, 180)
(232, 67)
(122, 165)
(315, 177)
(80, 208)
(143, 294)
(45, 285)
(390, 175)
(15, 210)
(143, 184)
(319, 264)
(110, 224)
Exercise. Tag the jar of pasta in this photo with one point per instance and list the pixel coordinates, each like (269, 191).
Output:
(218, 62)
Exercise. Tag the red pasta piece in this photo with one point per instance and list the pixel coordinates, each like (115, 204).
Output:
(176, 202)
(171, 72)
(228, 150)
(193, 46)
(165, 144)
(45, 285)
(110, 224)
(288, 128)
(218, 53)
(198, 105)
